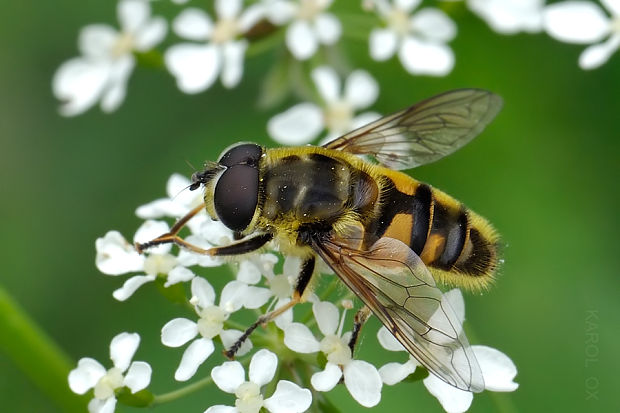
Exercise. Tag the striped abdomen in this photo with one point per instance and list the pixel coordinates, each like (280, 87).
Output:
(459, 246)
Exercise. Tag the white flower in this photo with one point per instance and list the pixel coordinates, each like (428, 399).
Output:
(303, 122)
(101, 73)
(309, 24)
(584, 23)
(209, 325)
(360, 377)
(510, 16)
(91, 374)
(230, 377)
(419, 38)
(497, 369)
(197, 65)
(116, 256)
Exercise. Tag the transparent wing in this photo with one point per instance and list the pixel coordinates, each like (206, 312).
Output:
(396, 285)
(424, 132)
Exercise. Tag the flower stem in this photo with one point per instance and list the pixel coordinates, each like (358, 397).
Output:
(37, 355)
(176, 394)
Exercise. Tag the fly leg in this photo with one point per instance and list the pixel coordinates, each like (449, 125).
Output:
(307, 269)
(361, 317)
(241, 247)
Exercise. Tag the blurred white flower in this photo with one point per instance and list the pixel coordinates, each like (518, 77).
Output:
(418, 38)
(91, 374)
(309, 24)
(210, 324)
(221, 51)
(510, 16)
(101, 73)
(230, 377)
(360, 377)
(584, 22)
(497, 369)
(303, 122)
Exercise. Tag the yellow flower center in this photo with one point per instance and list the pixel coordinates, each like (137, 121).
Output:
(225, 30)
(338, 117)
(249, 399)
(112, 380)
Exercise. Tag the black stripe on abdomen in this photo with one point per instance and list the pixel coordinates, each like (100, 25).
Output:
(422, 202)
(451, 226)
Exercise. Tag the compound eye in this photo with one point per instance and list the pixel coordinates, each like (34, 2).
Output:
(236, 196)
(246, 153)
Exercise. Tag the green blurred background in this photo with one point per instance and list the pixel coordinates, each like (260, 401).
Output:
(545, 173)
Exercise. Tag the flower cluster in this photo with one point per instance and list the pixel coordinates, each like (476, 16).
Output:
(260, 284)
(213, 44)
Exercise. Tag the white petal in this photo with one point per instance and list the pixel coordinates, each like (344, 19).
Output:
(289, 398)
(221, 409)
(613, 6)
(382, 44)
(131, 285)
(115, 92)
(327, 28)
(86, 375)
(160, 208)
(327, 379)
(327, 82)
(407, 5)
(393, 373)
(227, 9)
(510, 17)
(263, 367)
(248, 272)
(301, 40)
(434, 24)
(497, 369)
(195, 354)
(179, 274)
(228, 376)
(297, 126)
(388, 341)
(232, 68)
(364, 119)
(149, 230)
(79, 83)
(132, 14)
(97, 40)
(117, 256)
(203, 291)
(122, 349)
(363, 382)
(299, 338)
(195, 66)
(256, 297)
(230, 337)
(178, 331)
(594, 56)
(138, 376)
(151, 34)
(233, 296)
(426, 58)
(253, 14)
(285, 319)
(361, 89)
(576, 22)
(102, 406)
(193, 24)
(327, 316)
(452, 400)
(280, 12)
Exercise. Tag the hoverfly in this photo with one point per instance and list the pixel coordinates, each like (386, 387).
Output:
(387, 236)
